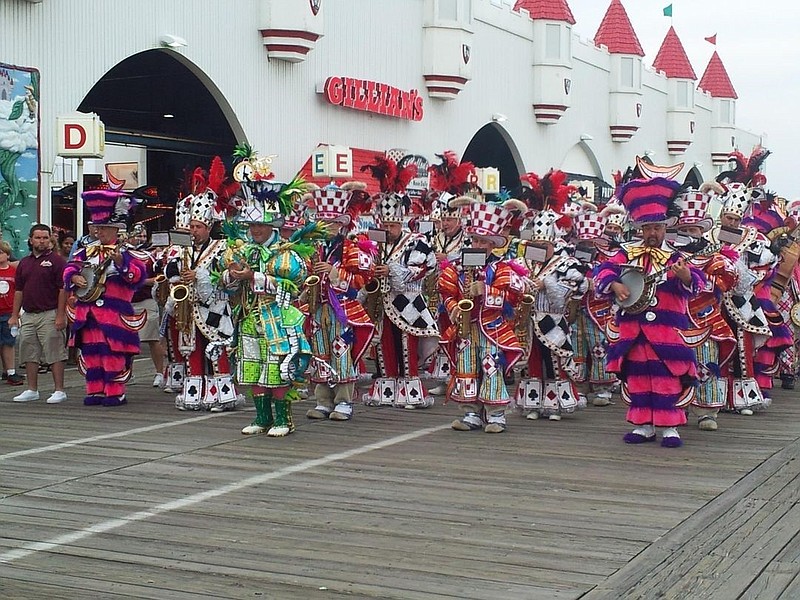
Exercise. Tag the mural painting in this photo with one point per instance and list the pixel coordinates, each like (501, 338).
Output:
(19, 154)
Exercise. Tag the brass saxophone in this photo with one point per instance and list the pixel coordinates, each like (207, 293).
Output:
(374, 289)
(180, 294)
(312, 286)
(466, 304)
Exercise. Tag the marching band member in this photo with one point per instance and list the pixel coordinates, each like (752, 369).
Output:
(789, 302)
(594, 313)
(272, 352)
(447, 180)
(481, 342)
(105, 327)
(705, 309)
(648, 351)
(199, 326)
(337, 326)
(402, 318)
(546, 387)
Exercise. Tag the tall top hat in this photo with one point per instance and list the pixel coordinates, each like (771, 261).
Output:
(391, 203)
(650, 200)
(694, 210)
(486, 219)
(339, 204)
(108, 207)
(446, 181)
(210, 197)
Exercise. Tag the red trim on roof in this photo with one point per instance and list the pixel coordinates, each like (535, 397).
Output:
(553, 10)
(616, 32)
(672, 59)
(361, 157)
(715, 80)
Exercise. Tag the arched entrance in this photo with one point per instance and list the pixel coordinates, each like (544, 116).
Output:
(491, 146)
(582, 167)
(160, 102)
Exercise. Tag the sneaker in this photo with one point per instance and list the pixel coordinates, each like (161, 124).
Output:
(469, 422)
(343, 411)
(57, 397)
(158, 380)
(132, 380)
(27, 396)
(746, 412)
(4, 376)
(168, 389)
(14, 379)
(439, 390)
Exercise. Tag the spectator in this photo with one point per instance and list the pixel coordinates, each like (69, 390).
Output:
(40, 292)
(65, 241)
(8, 338)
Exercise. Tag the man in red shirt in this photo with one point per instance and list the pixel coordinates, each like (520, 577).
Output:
(40, 292)
(8, 337)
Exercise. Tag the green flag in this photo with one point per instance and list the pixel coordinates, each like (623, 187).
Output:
(668, 11)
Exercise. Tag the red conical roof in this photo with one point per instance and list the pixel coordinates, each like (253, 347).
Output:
(715, 80)
(672, 59)
(554, 10)
(616, 32)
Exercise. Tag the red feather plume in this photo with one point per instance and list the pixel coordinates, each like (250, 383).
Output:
(390, 178)
(360, 202)
(450, 175)
(746, 170)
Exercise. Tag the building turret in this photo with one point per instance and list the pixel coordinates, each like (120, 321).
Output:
(673, 62)
(552, 57)
(716, 82)
(290, 29)
(447, 47)
(625, 99)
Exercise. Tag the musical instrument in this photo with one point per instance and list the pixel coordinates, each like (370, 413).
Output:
(312, 286)
(466, 304)
(523, 319)
(95, 276)
(785, 268)
(642, 288)
(180, 294)
(162, 289)
(375, 288)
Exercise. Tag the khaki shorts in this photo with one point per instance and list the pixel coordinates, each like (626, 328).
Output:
(149, 332)
(38, 336)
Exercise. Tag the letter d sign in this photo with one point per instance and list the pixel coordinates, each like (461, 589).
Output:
(74, 136)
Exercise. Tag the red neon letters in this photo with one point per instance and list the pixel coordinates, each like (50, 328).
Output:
(362, 94)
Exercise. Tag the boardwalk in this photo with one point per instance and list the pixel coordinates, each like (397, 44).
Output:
(144, 501)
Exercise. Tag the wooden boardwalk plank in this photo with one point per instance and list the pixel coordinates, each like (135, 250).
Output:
(547, 510)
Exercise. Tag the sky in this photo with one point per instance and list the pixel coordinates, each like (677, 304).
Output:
(758, 44)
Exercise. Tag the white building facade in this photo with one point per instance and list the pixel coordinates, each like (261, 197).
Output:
(474, 76)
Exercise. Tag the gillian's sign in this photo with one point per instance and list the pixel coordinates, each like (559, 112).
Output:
(362, 94)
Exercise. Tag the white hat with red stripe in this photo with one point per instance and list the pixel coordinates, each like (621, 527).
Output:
(488, 221)
(694, 210)
(330, 204)
(589, 225)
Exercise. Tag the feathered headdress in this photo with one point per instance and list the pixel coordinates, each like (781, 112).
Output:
(746, 170)
(548, 192)
(391, 179)
(450, 175)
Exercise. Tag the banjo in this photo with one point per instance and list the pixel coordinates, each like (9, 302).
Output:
(642, 288)
(95, 276)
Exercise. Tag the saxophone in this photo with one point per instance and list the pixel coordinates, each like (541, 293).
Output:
(375, 289)
(466, 304)
(180, 294)
(312, 286)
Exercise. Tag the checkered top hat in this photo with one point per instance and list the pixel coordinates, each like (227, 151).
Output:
(336, 204)
(108, 207)
(650, 200)
(391, 203)
(209, 198)
(543, 226)
(485, 219)
(736, 199)
(589, 225)
(297, 218)
(448, 180)
(694, 210)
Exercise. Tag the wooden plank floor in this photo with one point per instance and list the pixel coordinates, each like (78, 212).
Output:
(144, 501)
